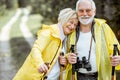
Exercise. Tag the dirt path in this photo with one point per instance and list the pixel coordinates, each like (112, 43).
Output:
(24, 28)
(6, 67)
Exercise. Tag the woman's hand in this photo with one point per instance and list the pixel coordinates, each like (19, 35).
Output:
(63, 60)
(43, 68)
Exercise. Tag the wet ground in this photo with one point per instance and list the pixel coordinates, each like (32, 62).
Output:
(14, 51)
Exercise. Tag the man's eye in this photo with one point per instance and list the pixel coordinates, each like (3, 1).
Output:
(88, 10)
(80, 10)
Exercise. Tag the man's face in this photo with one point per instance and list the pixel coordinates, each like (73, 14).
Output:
(85, 12)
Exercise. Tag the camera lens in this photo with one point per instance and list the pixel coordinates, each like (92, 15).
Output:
(88, 67)
(86, 64)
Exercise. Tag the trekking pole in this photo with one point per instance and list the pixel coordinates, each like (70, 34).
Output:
(61, 68)
(113, 67)
(73, 65)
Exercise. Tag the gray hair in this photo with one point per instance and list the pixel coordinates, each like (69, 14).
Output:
(91, 1)
(66, 14)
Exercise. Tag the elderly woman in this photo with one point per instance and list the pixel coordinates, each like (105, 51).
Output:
(47, 48)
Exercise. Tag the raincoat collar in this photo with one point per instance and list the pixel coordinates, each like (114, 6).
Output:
(99, 21)
(57, 31)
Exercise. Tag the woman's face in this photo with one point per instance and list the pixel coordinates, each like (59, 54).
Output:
(70, 25)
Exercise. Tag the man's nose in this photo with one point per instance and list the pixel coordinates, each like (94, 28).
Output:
(85, 13)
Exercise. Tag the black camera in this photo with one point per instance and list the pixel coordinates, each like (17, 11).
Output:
(84, 63)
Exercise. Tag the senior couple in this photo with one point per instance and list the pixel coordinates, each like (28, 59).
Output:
(93, 40)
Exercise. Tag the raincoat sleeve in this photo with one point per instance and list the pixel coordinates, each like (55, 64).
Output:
(39, 46)
(111, 39)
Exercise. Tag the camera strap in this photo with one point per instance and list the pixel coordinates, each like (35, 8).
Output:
(90, 49)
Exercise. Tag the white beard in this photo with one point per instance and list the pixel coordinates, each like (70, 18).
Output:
(85, 20)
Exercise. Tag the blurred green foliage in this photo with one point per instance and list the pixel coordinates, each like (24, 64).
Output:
(7, 5)
(2, 7)
(51, 8)
(116, 18)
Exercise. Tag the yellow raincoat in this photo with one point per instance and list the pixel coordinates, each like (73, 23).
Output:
(45, 49)
(105, 39)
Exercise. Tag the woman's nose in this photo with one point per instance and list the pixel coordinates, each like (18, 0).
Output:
(72, 26)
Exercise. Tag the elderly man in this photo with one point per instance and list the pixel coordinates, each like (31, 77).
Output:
(93, 44)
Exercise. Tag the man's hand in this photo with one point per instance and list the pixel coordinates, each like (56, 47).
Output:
(115, 60)
(72, 58)
(43, 68)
